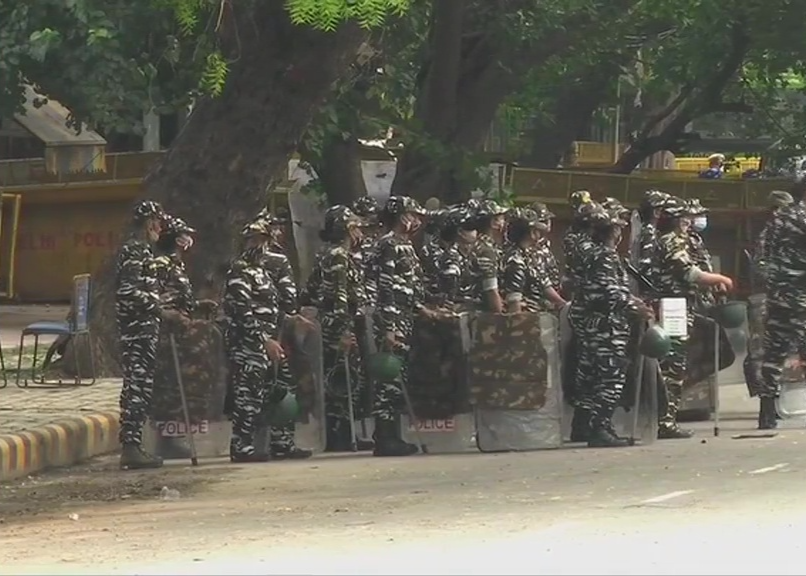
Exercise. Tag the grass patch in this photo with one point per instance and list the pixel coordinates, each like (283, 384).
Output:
(12, 355)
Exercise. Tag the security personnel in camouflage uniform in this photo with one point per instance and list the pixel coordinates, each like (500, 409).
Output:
(401, 297)
(490, 225)
(340, 299)
(785, 326)
(137, 311)
(431, 252)
(576, 239)
(367, 208)
(647, 234)
(674, 274)
(281, 438)
(776, 200)
(457, 279)
(251, 307)
(178, 304)
(700, 254)
(602, 312)
(543, 249)
(524, 280)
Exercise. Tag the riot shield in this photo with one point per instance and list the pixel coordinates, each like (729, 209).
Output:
(697, 388)
(637, 415)
(200, 349)
(438, 385)
(515, 382)
(303, 344)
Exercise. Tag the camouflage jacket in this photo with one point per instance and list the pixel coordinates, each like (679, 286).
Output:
(647, 238)
(487, 258)
(136, 285)
(430, 254)
(525, 279)
(400, 281)
(342, 292)
(761, 252)
(699, 253)
(176, 292)
(604, 286)
(251, 302)
(457, 282)
(671, 269)
(364, 259)
(786, 256)
(279, 268)
(575, 244)
(547, 259)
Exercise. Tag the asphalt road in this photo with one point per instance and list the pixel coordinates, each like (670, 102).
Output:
(700, 506)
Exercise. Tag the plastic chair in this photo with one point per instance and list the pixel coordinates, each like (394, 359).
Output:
(76, 327)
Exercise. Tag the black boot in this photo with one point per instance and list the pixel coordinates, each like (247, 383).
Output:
(133, 457)
(580, 425)
(674, 432)
(248, 458)
(388, 441)
(602, 436)
(338, 435)
(767, 414)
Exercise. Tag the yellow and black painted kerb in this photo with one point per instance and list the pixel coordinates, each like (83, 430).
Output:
(59, 444)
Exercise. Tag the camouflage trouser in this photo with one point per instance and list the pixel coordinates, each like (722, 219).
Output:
(674, 367)
(336, 399)
(586, 343)
(610, 364)
(138, 346)
(389, 400)
(250, 369)
(784, 330)
(281, 438)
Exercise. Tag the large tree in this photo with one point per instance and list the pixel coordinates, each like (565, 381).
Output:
(262, 69)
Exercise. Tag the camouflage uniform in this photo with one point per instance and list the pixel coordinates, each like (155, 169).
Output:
(647, 235)
(575, 242)
(543, 250)
(673, 274)
(431, 252)
(700, 255)
(341, 297)
(176, 295)
(777, 200)
(489, 253)
(137, 312)
(524, 276)
(400, 297)
(278, 266)
(601, 315)
(367, 209)
(251, 306)
(456, 265)
(785, 327)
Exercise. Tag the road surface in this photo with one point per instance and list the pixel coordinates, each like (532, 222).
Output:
(700, 506)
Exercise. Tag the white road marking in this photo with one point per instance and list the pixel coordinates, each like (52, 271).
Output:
(769, 468)
(665, 497)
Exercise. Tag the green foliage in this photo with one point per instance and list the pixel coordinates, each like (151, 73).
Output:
(327, 15)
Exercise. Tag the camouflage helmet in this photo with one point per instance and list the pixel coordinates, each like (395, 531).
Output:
(259, 225)
(146, 209)
(274, 219)
(435, 220)
(338, 219)
(399, 205)
(615, 206)
(366, 206)
(588, 212)
(695, 207)
(542, 211)
(520, 220)
(673, 207)
(489, 207)
(173, 225)
(654, 198)
(578, 198)
(459, 216)
(779, 199)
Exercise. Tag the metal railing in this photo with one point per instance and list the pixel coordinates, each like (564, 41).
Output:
(119, 166)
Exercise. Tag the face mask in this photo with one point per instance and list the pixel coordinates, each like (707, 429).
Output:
(699, 223)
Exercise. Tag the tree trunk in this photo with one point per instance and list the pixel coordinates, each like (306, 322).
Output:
(235, 147)
(575, 104)
(339, 170)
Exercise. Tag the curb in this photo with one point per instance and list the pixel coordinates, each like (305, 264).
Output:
(62, 443)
